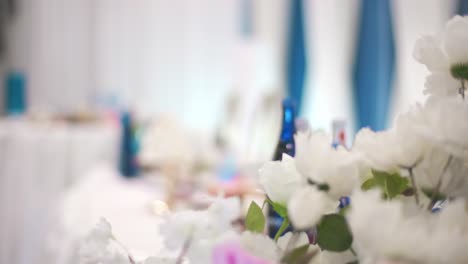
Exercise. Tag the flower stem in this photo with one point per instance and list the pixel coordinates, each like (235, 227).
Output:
(461, 90)
(130, 257)
(283, 227)
(413, 182)
(435, 193)
(184, 250)
(292, 241)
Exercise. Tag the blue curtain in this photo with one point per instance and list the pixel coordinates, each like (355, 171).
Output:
(462, 7)
(246, 18)
(374, 64)
(296, 55)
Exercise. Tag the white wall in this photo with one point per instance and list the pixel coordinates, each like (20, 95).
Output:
(412, 19)
(183, 56)
(162, 56)
(49, 40)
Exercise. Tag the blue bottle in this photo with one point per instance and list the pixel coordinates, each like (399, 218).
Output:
(15, 93)
(129, 147)
(288, 129)
(285, 146)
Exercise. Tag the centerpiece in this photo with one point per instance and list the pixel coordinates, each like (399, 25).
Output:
(397, 196)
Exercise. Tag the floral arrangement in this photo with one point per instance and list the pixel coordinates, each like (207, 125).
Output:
(397, 196)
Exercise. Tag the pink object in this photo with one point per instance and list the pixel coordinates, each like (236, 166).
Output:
(233, 253)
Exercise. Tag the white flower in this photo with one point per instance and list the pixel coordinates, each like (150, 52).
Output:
(442, 121)
(454, 182)
(226, 210)
(99, 247)
(328, 257)
(261, 246)
(441, 84)
(308, 205)
(392, 230)
(197, 225)
(201, 251)
(428, 51)
(160, 260)
(280, 179)
(441, 52)
(317, 160)
(286, 244)
(398, 147)
(455, 39)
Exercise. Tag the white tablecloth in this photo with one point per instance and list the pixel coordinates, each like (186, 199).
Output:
(125, 203)
(38, 161)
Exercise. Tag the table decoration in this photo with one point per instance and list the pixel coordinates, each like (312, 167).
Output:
(393, 180)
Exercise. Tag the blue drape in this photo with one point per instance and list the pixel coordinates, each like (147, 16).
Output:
(296, 54)
(246, 18)
(462, 7)
(374, 64)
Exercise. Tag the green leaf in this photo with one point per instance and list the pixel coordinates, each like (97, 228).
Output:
(368, 184)
(334, 234)
(430, 192)
(323, 187)
(284, 225)
(392, 184)
(280, 209)
(459, 71)
(296, 255)
(343, 211)
(255, 220)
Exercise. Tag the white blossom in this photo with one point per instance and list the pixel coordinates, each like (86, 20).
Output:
(441, 84)
(319, 162)
(453, 181)
(329, 257)
(455, 38)
(442, 51)
(99, 247)
(397, 147)
(442, 122)
(160, 260)
(286, 244)
(199, 225)
(280, 179)
(308, 205)
(261, 246)
(392, 230)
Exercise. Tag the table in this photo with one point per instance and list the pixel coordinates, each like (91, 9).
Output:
(125, 203)
(38, 161)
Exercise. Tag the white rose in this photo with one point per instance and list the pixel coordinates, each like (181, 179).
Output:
(308, 205)
(209, 224)
(441, 84)
(226, 210)
(394, 148)
(280, 179)
(317, 160)
(261, 246)
(160, 260)
(285, 243)
(99, 246)
(443, 123)
(328, 257)
(454, 182)
(441, 52)
(428, 51)
(390, 229)
(455, 38)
